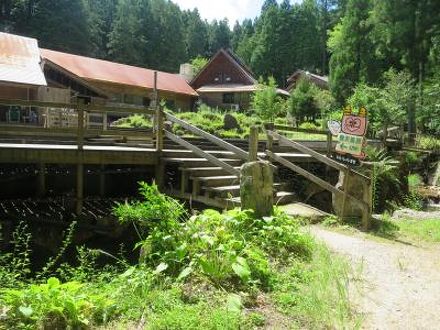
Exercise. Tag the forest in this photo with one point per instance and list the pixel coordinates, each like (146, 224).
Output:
(355, 42)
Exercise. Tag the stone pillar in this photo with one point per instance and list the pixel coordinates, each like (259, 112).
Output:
(256, 188)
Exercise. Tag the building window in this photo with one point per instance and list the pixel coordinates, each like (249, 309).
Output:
(228, 98)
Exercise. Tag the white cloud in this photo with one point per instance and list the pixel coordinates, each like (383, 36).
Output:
(233, 10)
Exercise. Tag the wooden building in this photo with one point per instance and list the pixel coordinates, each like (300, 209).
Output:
(320, 81)
(114, 83)
(21, 76)
(225, 82)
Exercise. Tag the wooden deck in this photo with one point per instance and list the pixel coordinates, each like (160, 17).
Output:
(72, 154)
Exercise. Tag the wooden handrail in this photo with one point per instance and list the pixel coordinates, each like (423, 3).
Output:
(297, 129)
(230, 169)
(317, 155)
(226, 145)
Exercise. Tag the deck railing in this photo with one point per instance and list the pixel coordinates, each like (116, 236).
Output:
(76, 121)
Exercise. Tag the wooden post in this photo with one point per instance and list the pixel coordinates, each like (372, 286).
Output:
(329, 143)
(344, 198)
(41, 190)
(253, 144)
(102, 181)
(160, 168)
(80, 136)
(79, 187)
(368, 199)
(80, 165)
(104, 121)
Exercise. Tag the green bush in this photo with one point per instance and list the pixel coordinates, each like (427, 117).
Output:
(230, 248)
(55, 305)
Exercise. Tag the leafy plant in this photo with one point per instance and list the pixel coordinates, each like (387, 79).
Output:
(55, 305)
(15, 266)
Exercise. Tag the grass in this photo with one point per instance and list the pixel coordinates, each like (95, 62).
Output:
(404, 230)
(322, 296)
(418, 231)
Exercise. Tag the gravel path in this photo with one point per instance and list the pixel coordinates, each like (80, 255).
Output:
(400, 287)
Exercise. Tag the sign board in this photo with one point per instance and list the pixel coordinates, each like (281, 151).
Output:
(350, 133)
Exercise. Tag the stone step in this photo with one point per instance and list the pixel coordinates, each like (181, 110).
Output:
(216, 181)
(199, 162)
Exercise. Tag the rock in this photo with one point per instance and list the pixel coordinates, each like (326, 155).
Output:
(256, 188)
(302, 210)
(230, 122)
(415, 215)
(168, 126)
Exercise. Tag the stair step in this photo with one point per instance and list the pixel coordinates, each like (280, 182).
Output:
(206, 171)
(199, 162)
(189, 154)
(227, 191)
(216, 181)
(282, 198)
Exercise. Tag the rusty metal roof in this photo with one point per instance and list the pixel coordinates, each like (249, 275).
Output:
(105, 71)
(20, 60)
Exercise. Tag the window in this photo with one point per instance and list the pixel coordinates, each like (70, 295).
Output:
(228, 98)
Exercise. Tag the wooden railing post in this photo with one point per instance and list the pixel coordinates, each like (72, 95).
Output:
(253, 144)
(80, 165)
(329, 143)
(159, 120)
(159, 129)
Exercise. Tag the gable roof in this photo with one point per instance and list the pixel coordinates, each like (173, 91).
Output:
(321, 81)
(105, 71)
(20, 60)
(233, 59)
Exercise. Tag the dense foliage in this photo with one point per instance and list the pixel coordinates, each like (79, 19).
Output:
(212, 270)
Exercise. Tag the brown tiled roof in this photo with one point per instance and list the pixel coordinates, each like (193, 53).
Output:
(20, 60)
(99, 70)
(321, 81)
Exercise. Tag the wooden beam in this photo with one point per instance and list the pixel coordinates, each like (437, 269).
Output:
(253, 144)
(230, 169)
(237, 151)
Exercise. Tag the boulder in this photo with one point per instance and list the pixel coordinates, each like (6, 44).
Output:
(256, 188)
(230, 122)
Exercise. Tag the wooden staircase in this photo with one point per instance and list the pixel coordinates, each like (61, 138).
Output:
(201, 181)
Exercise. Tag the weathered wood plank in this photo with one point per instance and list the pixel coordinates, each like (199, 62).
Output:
(230, 169)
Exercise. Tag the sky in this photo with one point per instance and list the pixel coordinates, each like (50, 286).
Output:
(233, 10)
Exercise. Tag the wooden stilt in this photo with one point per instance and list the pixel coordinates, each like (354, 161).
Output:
(79, 187)
(102, 181)
(41, 189)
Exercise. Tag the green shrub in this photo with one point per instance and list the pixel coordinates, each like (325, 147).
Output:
(55, 305)
(231, 248)
(134, 121)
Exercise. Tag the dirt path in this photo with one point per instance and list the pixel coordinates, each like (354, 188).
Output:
(401, 283)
